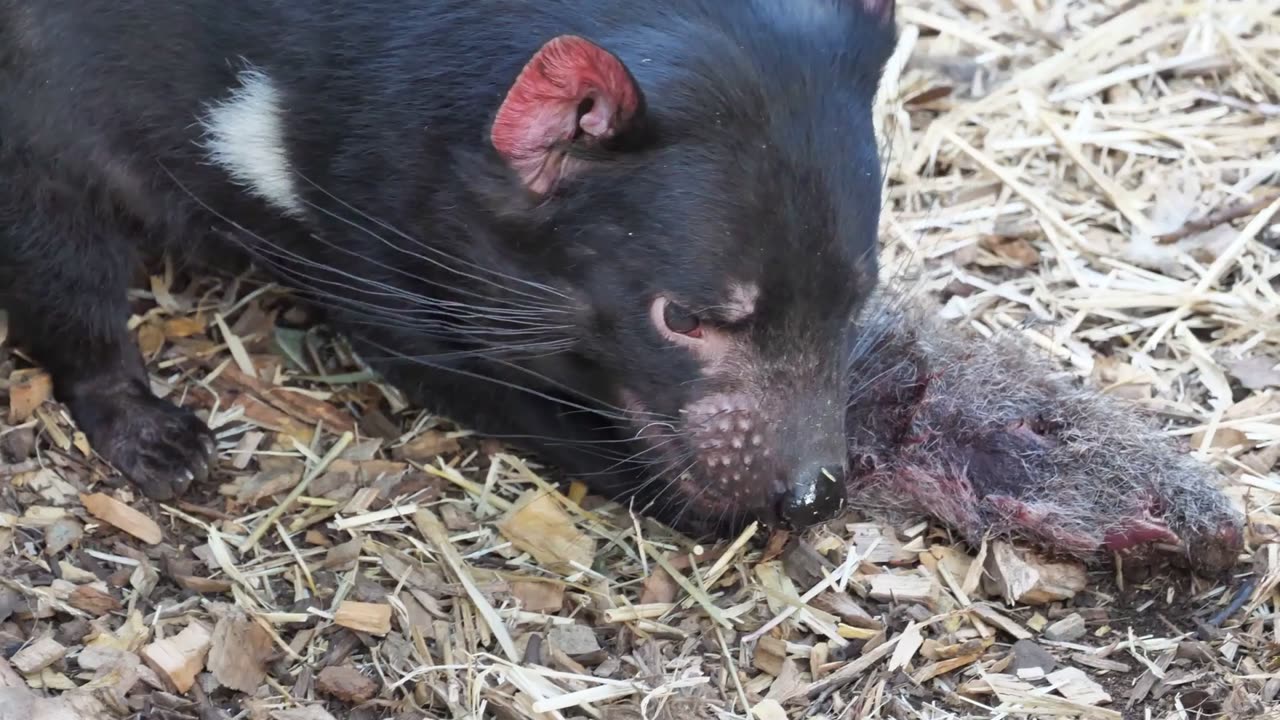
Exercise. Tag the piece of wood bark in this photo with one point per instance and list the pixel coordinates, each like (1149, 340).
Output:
(239, 652)
(122, 517)
(346, 683)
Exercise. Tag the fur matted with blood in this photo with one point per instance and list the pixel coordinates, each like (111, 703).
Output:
(995, 441)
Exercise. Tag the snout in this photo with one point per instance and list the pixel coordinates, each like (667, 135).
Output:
(815, 494)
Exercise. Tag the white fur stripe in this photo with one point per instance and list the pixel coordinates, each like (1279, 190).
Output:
(244, 134)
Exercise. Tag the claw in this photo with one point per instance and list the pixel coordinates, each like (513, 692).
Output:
(200, 471)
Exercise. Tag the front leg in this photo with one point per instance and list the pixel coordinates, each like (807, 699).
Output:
(63, 281)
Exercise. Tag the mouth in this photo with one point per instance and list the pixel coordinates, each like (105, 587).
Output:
(721, 467)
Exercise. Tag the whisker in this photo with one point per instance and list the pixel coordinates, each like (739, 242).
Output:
(538, 286)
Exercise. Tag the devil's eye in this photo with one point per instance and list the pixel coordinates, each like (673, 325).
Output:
(681, 321)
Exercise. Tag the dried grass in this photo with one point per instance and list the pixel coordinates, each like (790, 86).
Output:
(1102, 179)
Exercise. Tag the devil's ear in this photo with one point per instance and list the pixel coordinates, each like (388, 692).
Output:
(571, 92)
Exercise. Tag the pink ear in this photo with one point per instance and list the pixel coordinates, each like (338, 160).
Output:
(542, 112)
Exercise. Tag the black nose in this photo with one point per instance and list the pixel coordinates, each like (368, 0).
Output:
(816, 495)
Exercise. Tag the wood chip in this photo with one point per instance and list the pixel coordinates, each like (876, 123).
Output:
(1149, 678)
(769, 655)
(178, 659)
(121, 516)
(28, 390)
(1101, 663)
(372, 618)
(539, 596)
(768, 709)
(1026, 654)
(1069, 628)
(93, 601)
(909, 643)
(995, 617)
(1075, 686)
(890, 587)
(539, 525)
(309, 712)
(575, 640)
(1022, 576)
(887, 547)
(943, 667)
(38, 655)
(851, 670)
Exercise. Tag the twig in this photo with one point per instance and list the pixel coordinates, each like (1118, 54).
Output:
(297, 491)
(1216, 218)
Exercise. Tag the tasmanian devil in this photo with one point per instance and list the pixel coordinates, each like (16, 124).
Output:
(637, 237)
(573, 221)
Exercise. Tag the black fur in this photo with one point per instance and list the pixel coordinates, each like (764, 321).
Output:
(754, 160)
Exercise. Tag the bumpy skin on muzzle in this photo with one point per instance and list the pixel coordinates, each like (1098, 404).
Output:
(993, 440)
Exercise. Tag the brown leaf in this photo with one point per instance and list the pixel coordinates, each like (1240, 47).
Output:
(150, 339)
(936, 92)
(658, 588)
(301, 408)
(1222, 438)
(239, 652)
(538, 596)
(184, 326)
(774, 545)
(342, 557)
(1017, 251)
